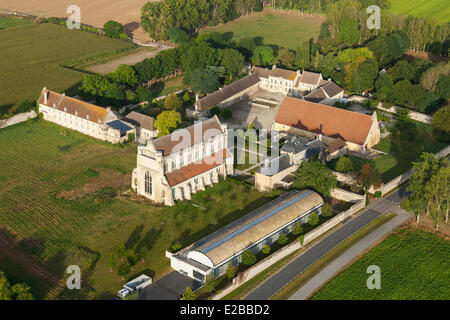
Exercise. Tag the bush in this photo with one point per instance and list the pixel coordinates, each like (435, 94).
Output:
(188, 294)
(282, 239)
(297, 229)
(248, 258)
(313, 219)
(226, 113)
(266, 249)
(377, 194)
(186, 97)
(131, 96)
(344, 164)
(214, 111)
(177, 35)
(327, 211)
(231, 271)
(175, 247)
(124, 269)
(131, 137)
(172, 102)
(25, 106)
(301, 239)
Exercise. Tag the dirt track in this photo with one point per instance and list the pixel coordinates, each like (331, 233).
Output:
(94, 13)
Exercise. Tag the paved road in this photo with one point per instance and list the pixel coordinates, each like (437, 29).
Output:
(303, 262)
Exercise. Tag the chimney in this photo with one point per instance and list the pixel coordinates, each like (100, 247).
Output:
(45, 95)
(274, 66)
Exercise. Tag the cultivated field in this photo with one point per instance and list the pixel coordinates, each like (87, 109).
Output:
(64, 199)
(438, 9)
(10, 22)
(35, 55)
(414, 265)
(94, 13)
(283, 29)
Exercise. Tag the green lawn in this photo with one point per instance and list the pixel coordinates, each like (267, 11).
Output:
(414, 265)
(167, 87)
(34, 56)
(274, 27)
(438, 9)
(65, 197)
(403, 147)
(10, 22)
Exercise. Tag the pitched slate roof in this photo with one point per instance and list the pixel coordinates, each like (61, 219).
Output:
(227, 92)
(209, 128)
(119, 125)
(73, 106)
(309, 77)
(316, 96)
(140, 120)
(261, 72)
(283, 73)
(329, 121)
(194, 169)
(332, 89)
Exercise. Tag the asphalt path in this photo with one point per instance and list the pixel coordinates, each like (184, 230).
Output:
(304, 261)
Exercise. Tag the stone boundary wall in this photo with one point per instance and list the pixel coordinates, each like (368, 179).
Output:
(345, 195)
(18, 118)
(412, 114)
(245, 276)
(343, 177)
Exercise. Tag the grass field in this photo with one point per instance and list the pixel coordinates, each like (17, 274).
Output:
(65, 199)
(10, 22)
(411, 141)
(34, 56)
(414, 265)
(438, 9)
(282, 29)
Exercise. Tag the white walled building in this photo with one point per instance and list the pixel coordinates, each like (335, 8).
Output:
(89, 119)
(143, 125)
(212, 254)
(176, 166)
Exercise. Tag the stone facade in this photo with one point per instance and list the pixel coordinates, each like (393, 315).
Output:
(165, 174)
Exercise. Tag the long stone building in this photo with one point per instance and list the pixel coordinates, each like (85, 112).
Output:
(177, 165)
(211, 255)
(317, 121)
(100, 123)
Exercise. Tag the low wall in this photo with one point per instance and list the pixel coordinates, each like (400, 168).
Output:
(345, 195)
(18, 118)
(412, 114)
(245, 276)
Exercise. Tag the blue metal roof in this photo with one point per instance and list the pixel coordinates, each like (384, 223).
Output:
(255, 222)
(117, 124)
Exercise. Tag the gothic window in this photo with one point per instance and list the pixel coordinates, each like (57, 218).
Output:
(148, 183)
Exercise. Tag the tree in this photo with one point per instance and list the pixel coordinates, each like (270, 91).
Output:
(402, 70)
(297, 228)
(302, 55)
(327, 211)
(430, 78)
(248, 257)
(441, 120)
(143, 253)
(25, 106)
(177, 35)
(367, 177)
(113, 29)
(438, 187)
(188, 294)
(132, 259)
(286, 57)
(172, 101)
(124, 269)
(344, 164)
(401, 92)
(402, 114)
(263, 56)
(232, 60)
(443, 87)
(19, 291)
(282, 239)
(166, 121)
(125, 74)
(364, 75)
(231, 271)
(324, 31)
(348, 30)
(315, 175)
(210, 284)
(313, 219)
(144, 94)
(266, 249)
(203, 80)
(122, 252)
(176, 246)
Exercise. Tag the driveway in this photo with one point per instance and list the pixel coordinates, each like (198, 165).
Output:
(303, 262)
(169, 287)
